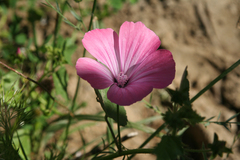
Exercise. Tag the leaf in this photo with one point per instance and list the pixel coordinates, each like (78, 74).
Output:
(22, 139)
(60, 79)
(68, 52)
(189, 115)
(21, 38)
(204, 153)
(10, 80)
(169, 148)
(184, 86)
(141, 127)
(223, 74)
(234, 116)
(173, 120)
(33, 58)
(111, 109)
(218, 147)
(181, 96)
(74, 13)
(177, 120)
(116, 4)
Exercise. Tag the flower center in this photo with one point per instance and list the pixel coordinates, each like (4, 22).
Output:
(122, 80)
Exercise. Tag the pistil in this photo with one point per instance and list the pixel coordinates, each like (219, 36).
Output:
(122, 80)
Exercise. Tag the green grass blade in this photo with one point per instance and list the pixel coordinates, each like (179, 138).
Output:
(215, 81)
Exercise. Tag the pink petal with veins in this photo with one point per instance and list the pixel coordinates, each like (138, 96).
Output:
(128, 95)
(158, 69)
(94, 72)
(103, 45)
(136, 42)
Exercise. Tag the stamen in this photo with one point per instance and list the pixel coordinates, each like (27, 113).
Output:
(122, 79)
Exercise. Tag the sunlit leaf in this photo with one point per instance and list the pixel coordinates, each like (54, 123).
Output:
(111, 109)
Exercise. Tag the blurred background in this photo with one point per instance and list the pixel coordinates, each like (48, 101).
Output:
(203, 35)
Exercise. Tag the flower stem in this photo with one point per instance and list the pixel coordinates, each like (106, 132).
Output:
(111, 130)
(124, 153)
(149, 138)
(119, 135)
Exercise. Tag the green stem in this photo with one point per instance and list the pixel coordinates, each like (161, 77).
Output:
(124, 153)
(149, 138)
(90, 23)
(198, 150)
(93, 8)
(215, 81)
(111, 130)
(119, 132)
(110, 137)
(57, 26)
(76, 92)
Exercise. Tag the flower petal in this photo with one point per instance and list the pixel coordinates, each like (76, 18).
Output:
(103, 45)
(132, 93)
(94, 72)
(136, 42)
(157, 70)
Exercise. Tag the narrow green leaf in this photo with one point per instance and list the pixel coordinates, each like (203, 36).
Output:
(81, 117)
(204, 153)
(219, 115)
(58, 8)
(140, 127)
(21, 140)
(21, 146)
(60, 79)
(234, 116)
(215, 81)
(74, 13)
(210, 118)
(69, 51)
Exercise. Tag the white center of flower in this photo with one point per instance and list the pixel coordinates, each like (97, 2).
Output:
(122, 79)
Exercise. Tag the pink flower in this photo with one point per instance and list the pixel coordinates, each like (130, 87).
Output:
(18, 51)
(129, 64)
